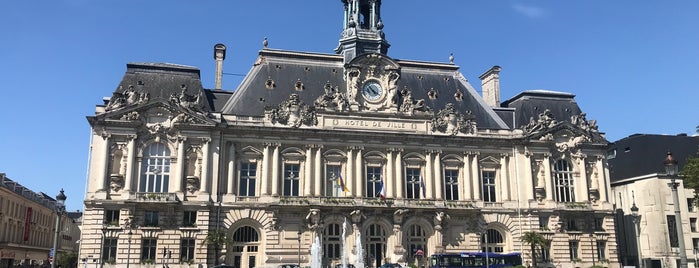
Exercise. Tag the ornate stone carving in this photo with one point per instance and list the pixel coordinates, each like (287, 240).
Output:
(131, 116)
(116, 182)
(398, 216)
(410, 105)
(313, 218)
(192, 184)
(356, 216)
(439, 219)
(126, 98)
(187, 101)
(293, 112)
(572, 143)
(544, 122)
(581, 121)
(451, 122)
(332, 99)
(554, 223)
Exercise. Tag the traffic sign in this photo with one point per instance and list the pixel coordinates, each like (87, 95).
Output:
(50, 259)
(51, 253)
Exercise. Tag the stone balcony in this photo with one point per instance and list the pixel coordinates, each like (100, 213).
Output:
(157, 197)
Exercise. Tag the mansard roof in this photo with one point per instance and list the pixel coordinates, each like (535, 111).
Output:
(529, 104)
(278, 74)
(643, 154)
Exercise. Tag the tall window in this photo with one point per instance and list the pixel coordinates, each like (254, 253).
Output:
(148, 248)
(291, 179)
(109, 249)
(563, 178)
(150, 219)
(417, 240)
(248, 173)
(186, 249)
(690, 204)
(373, 181)
(189, 218)
(492, 241)
(488, 186)
(601, 250)
(672, 231)
(573, 248)
(335, 185)
(451, 184)
(155, 169)
(693, 224)
(111, 217)
(413, 182)
(333, 235)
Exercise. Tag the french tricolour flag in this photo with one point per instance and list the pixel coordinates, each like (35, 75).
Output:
(382, 192)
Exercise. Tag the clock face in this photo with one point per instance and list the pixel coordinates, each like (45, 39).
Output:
(372, 91)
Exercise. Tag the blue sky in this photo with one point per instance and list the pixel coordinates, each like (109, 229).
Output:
(632, 64)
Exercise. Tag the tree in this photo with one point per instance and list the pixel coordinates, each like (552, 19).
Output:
(216, 238)
(690, 176)
(535, 240)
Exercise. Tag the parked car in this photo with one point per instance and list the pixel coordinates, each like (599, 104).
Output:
(391, 265)
(289, 266)
(348, 265)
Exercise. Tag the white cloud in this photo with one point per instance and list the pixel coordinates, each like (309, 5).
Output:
(530, 11)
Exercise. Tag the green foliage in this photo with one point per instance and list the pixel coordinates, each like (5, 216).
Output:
(597, 266)
(412, 265)
(216, 238)
(147, 261)
(535, 241)
(68, 259)
(690, 175)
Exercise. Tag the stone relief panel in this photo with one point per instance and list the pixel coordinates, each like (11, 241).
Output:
(450, 122)
(293, 112)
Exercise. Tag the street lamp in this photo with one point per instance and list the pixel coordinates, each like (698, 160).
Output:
(60, 208)
(671, 171)
(637, 227)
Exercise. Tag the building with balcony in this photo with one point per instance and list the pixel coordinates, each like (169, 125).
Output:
(638, 177)
(28, 224)
(352, 155)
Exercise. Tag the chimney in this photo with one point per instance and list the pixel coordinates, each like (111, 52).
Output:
(490, 86)
(219, 56)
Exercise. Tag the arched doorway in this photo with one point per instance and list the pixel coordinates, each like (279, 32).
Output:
(244, 248)
(375, 245)
(492, 241)
(416, 241)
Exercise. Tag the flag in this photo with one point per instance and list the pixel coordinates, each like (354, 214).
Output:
(342, 184)
(422, 186)
(382, 192)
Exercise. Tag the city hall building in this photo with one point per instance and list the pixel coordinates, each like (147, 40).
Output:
(352, 155)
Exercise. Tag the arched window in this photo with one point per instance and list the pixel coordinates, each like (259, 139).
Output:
(155, 169)
(332, 241)
(244, 247)
(375, 245)
(417, 242)
(245, 234)
(563, 179)
(493, 241)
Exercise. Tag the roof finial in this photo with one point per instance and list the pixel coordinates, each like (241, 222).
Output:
(265, 43)
(451, 57)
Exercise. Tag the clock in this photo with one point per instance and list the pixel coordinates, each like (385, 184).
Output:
(372, 91)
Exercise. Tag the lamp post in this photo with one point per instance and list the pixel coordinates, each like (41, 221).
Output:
(104, 256)
(637, 227)
(299, 252)
(671, 171)
(60, 207)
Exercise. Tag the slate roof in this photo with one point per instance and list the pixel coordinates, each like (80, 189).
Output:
(314, 70)
(531, 103)
(643, 154)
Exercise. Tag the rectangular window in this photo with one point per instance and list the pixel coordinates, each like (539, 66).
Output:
(601, 250)
(186, 250)
(373, 181)
(693, 224)
(334, 183)
(451, 184)
(571, 226)
(111, 217)
(150, 219)
(690, 204)
(672, 231)
(332, 242)
(189, 219)
(546, 252)
(563, 179)
(573, 247)
(291, 179)
(248, 175)
(488, 186)
(155, 169)
(695, 244)
(599, 224)
(413, 180)
(109, 250)
(543, 223)
(148, 248)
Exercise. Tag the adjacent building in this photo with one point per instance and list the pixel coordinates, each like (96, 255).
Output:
(638, 178)
(354, 155)
(28, 224)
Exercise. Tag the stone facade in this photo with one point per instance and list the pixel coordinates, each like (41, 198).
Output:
(355, 156)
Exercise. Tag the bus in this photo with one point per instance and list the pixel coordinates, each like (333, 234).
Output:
(475, 260)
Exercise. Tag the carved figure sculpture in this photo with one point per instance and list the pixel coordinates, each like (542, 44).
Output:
(313, 218)
(293, 112)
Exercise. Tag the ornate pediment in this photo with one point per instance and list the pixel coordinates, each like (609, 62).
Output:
(565, 134)
(451, 122)
(292, 112)
(371, 83)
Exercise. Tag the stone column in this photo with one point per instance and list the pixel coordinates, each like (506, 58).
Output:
(131, 159)
(231, 170)
(276, 169)
(429, 179)
(350, 173)
(581, 185)
(400, 181)
(319, 178)
(390, 180)
(475, 176)
(264, 167)
(359, 174)
(104, 167)
(466, 178)
(548, 181)
(179, 175)
(602, 178)
(504, 177)
(205, 166)
(308, 171)
(438, 180)
(525, 170)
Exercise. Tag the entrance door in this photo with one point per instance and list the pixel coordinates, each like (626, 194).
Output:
(244, 248)
(375, 245)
